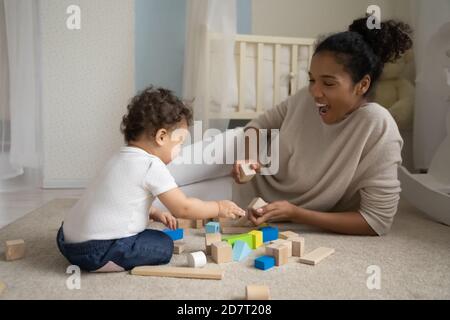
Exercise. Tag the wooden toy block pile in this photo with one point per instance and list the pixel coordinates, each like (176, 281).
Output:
(236, 244)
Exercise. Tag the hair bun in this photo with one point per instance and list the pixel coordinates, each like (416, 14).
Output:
(388, 42)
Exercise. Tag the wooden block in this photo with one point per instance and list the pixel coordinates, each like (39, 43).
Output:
(178, 272)
(256, 204)
(196, 259)
(264, 262)
(212, 227)
(287, 234)
(185, 223)
(236, 230)
(281, 254)
(269, 234)
(211, 238)
(256, 292)
(240, 237)
(246, 173)
(222, 252)
(198, 224)
(298, 246)
(270, 249)
(226, 222)
(2, 287)
(178, 247)
(285, 242)
(257, 239)
(314, 257)
(15, 249)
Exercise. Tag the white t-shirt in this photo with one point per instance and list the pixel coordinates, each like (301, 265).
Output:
(117, 202)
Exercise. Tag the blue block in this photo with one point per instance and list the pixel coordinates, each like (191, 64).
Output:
(240, 250)
(212, 227)
(176, 234)
(269, 234)
(264, 262)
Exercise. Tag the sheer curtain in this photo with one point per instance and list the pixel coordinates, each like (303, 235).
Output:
(432, 45)
(20, 109)
(205, 16)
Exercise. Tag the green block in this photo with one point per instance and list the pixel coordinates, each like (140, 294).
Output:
(242, 237)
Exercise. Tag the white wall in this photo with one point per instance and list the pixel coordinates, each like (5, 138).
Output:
(88, 78)
(310, 18)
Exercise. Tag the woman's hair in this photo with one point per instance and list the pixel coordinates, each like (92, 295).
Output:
(153, 109)
(364, 51)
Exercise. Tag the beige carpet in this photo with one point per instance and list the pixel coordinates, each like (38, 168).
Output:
(414, 260)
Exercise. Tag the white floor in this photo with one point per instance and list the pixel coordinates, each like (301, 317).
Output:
(14, 205)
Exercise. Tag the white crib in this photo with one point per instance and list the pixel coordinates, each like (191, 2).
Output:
(268, 70)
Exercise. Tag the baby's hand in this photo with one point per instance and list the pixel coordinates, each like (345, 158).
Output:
(166, 218)
(228, 209)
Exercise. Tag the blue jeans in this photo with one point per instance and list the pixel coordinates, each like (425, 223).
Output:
(150, 247)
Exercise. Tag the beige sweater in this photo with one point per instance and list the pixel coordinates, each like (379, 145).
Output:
(351, 165)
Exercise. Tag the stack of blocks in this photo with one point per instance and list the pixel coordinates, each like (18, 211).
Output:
(211, 238)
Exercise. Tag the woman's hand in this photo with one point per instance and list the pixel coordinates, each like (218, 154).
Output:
(165, 218)
(236, 173)
(275, 211)
(228, 209)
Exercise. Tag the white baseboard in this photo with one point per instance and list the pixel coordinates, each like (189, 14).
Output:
(65, 183)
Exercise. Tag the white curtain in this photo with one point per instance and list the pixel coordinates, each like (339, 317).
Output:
(20, 121)
(432, 46)
(209, 16)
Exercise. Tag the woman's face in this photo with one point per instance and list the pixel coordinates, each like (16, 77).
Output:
(333, 90)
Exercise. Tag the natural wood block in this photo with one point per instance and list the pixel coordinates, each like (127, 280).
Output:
(211, 238)
(298, 246)
(15, 249)
(178, 272)
(185, 223)
(246, 173)
(178, 247)
(281, 254)
(269, 251)
(256, 204)
(222, 252)
(314, 257)
(286, 242)
(287, 234)
(198, 224)
(2, 287)
(257, 292)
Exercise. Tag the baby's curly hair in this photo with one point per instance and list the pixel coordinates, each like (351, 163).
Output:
(153, 109)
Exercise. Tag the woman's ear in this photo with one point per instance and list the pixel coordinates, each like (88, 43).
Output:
(161, 137)
(363, 86)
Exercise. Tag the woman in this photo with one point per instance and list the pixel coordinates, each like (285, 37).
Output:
(339, 152)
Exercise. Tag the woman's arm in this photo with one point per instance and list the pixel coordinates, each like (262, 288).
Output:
(352, 223)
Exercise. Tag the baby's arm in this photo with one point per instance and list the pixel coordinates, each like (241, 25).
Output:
(191, 208)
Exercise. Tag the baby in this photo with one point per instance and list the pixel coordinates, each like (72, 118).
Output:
(106, 229)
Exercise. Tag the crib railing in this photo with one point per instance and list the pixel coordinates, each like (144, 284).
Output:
(242, 42)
